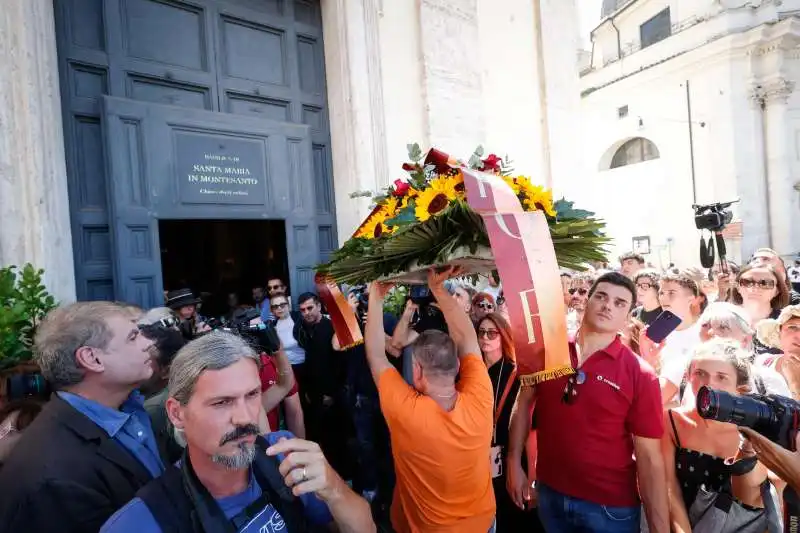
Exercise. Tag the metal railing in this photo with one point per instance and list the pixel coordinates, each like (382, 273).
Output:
(634, 46)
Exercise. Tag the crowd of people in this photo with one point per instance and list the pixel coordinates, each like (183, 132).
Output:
(261, 421)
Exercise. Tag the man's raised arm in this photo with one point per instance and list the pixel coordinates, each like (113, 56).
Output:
(460, 326)
(374, 335)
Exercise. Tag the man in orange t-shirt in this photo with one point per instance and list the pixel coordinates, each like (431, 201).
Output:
(441, 431)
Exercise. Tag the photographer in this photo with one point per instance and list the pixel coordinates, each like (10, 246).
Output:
(421, 313)
(698, 452)
(160, 326)
(278, 386)
(184, 303)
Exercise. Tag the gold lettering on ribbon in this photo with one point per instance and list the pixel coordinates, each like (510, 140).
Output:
(526, 309)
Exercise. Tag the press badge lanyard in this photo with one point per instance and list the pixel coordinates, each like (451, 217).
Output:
(498, 407)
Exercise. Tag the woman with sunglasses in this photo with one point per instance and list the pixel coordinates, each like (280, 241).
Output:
(699, 452)
(760, 291)
(494, 338)
(483, 303)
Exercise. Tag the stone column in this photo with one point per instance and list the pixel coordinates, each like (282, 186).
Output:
(34, 209)
(783, 197)
(452, 75)
(557, 29)
(356, 106)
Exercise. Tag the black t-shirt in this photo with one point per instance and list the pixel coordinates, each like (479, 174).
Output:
(325, 368)
(359, 376)
(646, 316)
(430, 317)
(499, 374)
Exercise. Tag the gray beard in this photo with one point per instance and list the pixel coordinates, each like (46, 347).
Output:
(243, 458)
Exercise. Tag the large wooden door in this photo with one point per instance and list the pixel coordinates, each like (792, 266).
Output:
(231, 63)
(173, 163)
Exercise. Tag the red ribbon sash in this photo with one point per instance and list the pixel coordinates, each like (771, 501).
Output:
(526, 261)
(345, 323)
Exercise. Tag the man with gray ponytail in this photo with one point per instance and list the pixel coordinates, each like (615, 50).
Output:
(230, 478)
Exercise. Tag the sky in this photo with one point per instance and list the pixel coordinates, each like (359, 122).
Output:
(589, 14)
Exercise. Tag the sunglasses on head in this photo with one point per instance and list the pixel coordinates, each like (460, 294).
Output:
(571, 389)
(490, 334)
(581, 291)
(764, 284)
(278, 306)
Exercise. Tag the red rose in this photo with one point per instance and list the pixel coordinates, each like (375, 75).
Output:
(408, 167)
(492, 162)
(400, 188)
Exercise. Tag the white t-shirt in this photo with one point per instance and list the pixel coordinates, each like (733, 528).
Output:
(677, 353)
(773, 381)
(294, 352)
(573, 323)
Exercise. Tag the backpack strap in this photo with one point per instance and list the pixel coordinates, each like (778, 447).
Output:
(168, 503)
(761, 387)
(269, 478)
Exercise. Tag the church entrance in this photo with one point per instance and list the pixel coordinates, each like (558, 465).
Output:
(192, 110)
(222, 260)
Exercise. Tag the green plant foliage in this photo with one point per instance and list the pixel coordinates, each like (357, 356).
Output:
(395, 301)
(24, 301)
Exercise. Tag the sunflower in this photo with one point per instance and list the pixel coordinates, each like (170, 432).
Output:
(436, 197)
(458, 182)
(375, 227)
(512, 182)
(404, 201)
(390, 207)
(539, 198)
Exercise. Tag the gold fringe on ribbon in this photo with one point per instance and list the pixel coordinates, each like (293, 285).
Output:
(530, 380)
(352, 345)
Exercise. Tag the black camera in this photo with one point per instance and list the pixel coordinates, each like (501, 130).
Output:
(32, 385)
(775, 417)
(362, 301)
(713, 217)
(421, 295)
(261, 336)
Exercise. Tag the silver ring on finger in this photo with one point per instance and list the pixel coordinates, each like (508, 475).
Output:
(305, 475)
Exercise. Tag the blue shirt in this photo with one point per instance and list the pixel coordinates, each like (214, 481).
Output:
(129, 426)
(136, 517)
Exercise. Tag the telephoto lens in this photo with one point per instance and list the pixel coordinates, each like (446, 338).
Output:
(740, 410)
(774, 416)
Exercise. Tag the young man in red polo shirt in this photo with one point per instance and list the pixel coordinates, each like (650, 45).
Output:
(591, 425)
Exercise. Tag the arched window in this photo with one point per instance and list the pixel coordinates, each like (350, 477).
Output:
(634, 151)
